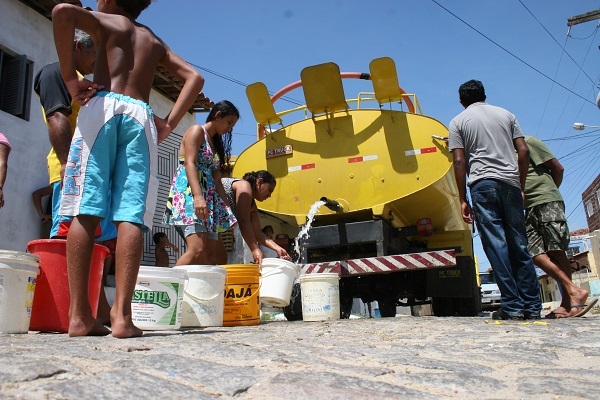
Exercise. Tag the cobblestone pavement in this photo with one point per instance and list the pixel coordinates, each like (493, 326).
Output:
(390, 358)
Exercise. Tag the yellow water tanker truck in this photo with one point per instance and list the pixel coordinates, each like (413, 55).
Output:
(389, 223)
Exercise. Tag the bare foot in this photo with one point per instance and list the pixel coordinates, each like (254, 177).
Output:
(557, 314)
(576, 302)
(88, 327)
(123, 327)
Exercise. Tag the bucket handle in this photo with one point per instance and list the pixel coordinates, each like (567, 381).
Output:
(273, 272)
(248, 298)
(187, 281)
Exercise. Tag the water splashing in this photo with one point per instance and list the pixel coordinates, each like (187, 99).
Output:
(303, 234)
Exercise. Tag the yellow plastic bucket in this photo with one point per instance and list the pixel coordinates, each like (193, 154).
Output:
(242, 301)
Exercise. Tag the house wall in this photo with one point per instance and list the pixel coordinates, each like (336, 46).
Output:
(24, 31)
(591, 198)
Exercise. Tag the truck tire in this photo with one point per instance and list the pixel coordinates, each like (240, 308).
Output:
(293, 312)
(345, 306)
(451, 307)
(442, 306)
(467, 307)
(387, 309)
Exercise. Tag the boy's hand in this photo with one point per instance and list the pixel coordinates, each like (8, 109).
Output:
(82, 90)
(163, 129)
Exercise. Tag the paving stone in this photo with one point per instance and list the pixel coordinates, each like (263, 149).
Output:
(319, 385)
(23, 369)
(404, 357)
(125, 384)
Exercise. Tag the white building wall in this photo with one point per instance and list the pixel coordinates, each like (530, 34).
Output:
(24, 31)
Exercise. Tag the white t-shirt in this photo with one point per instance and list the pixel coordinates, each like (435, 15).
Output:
(486, 133)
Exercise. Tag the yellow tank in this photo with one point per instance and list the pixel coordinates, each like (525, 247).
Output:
(375, 162)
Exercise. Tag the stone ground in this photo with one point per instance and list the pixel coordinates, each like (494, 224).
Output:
(389, 358)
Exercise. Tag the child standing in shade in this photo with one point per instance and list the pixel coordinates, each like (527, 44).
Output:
(196, 203)
(161, 256)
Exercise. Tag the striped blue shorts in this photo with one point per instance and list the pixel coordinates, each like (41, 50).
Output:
(112, 166)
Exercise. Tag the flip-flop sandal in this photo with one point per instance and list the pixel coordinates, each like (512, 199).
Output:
(556, 315)
(586, 308)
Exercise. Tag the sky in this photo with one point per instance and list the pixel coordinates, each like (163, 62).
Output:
(519, 49)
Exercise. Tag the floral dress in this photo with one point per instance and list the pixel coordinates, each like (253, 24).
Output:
(180, 203)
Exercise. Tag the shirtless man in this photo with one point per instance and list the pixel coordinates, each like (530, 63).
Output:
(114, 147)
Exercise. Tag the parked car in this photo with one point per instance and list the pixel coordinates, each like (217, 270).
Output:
(490, 293)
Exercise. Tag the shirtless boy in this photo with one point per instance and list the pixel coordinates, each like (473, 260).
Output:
(161, 256)
(114, 147)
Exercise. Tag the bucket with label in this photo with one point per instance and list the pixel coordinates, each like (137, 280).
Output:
(320, 296)
(277, 278)
(50, 311)
(242, 301)
(203, 295)
(18, 275)
(157, 299)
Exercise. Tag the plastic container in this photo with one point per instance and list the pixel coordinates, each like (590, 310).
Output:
(50, 311)
(277, 278)
(18, 275)
(242, 301)
(203, 295)
(157, 299)
(320, 296)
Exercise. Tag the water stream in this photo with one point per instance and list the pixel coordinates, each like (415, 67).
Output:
(303, 234)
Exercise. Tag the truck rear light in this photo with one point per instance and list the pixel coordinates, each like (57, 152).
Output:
(424, 227)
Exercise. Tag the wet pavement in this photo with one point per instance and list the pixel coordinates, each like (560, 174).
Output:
(380, 358)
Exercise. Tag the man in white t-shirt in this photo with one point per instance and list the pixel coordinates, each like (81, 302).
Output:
(483, 139)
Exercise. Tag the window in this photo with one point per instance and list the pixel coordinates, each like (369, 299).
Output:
(589, 208)
(573, 250)
(15, 84)
(598, 196)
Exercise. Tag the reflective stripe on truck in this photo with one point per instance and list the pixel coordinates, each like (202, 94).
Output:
(360, 266)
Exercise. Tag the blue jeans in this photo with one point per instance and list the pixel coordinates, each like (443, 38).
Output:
(500, 217)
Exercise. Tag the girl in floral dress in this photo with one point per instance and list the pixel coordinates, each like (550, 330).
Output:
(195, 204)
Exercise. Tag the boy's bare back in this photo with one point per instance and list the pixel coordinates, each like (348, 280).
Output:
(127, 56)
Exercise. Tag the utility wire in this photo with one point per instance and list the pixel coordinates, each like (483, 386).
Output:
(513, 55)
(227, 78)
(564, 51)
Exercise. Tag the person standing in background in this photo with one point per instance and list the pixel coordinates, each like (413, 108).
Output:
(268, 231)
(161, 256)
(60, 112)
(547, 230)
(5, 149)
(483, 139)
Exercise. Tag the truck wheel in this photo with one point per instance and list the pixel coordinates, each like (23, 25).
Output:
(442, 306)
(293, 312)
(345, 306)
(387, 309)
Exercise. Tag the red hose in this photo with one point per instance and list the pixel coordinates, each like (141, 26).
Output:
(344, 75)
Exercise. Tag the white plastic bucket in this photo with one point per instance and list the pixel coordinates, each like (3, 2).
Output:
(203, 295)
(320, 296)
(277, 281)
(18, 275)
(156, 302)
